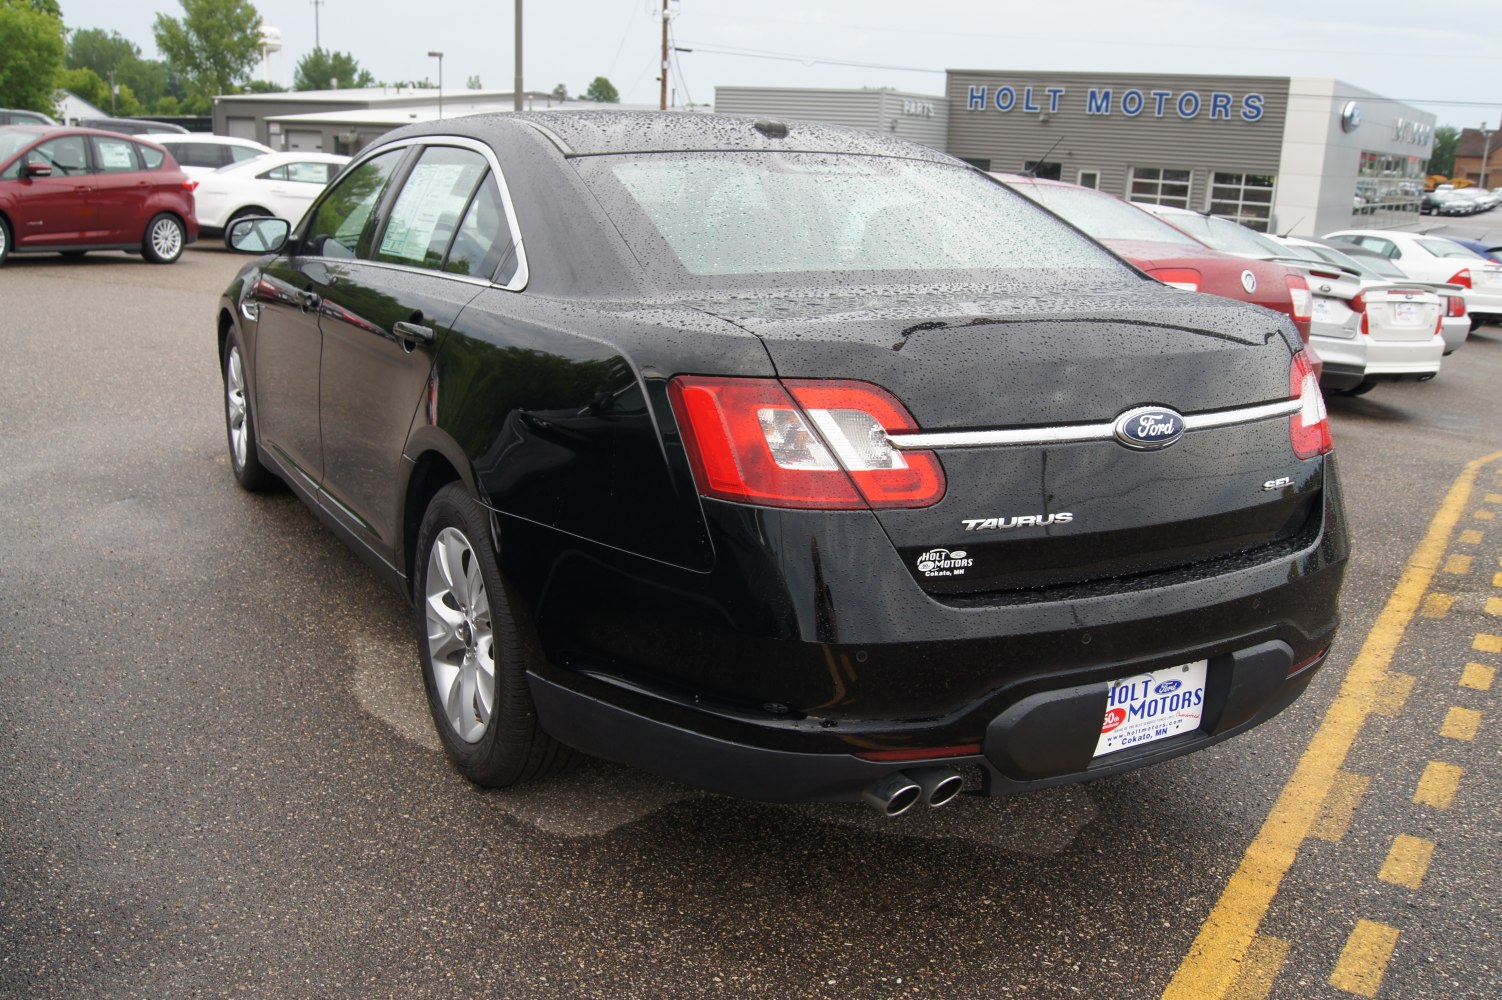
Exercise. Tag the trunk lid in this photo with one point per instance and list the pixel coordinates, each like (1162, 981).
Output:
(1043, 514)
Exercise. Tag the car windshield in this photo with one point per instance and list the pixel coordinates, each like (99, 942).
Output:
(1228, 236)
(717, 215)
(11, 141)
(1444, 248)
(1103, 216)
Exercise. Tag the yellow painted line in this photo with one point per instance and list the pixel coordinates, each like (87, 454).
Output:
(1393, 694)
(1340, 806)
(1458, 564)
(1494, 604)
(1259, 970)
(1407, 861)
(1485, 515)
(1438, 605)
(1438, 785)
(1494, 498)
(1364, 959)
(1497, 580)
(1471, 537)
(1209, 969)
(1488, 643)
(1461, 724)
(1477, 676)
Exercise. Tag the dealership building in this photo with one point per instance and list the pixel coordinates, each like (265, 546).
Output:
(1305, 155)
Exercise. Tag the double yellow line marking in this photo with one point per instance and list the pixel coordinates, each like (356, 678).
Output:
(1210, 970)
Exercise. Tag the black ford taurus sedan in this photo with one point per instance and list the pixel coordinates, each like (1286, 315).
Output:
(787, 461)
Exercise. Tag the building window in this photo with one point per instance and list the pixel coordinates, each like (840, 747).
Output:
(978, 164)
(1090, 179)
(1246, 198)
(1389, 190)
(1043, 169)
(1160, 186)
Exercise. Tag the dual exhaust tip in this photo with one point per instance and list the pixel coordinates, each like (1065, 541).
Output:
(901, 790)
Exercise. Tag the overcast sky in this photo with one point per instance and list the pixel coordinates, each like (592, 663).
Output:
(1442, 56)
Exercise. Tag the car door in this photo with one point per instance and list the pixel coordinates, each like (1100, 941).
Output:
(54, 211)
(386, 315)
(121, 187)
(289, 294)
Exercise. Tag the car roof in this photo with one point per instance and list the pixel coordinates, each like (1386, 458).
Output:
(596, 133)
(78, 130)
(201, 137)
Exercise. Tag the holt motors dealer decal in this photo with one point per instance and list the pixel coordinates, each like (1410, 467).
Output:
(943, 562)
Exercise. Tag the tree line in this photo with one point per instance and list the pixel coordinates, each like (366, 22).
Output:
(211, 49)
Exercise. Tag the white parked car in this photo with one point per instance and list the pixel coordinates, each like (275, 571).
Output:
(281, 185)
(199, 153)
(1388, 330)
(1434, 258)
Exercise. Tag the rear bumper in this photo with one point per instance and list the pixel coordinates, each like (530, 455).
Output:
(1042, 741)
(1349, 362)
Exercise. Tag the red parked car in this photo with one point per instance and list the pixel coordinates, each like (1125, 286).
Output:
(72, 190)
(1171, 256)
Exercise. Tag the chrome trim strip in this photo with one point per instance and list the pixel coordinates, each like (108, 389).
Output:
(1082, 432)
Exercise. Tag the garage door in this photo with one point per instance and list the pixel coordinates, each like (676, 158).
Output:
(305, 141)
(240, 128)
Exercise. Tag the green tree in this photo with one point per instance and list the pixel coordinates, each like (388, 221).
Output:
(109, 52)
(85, 83)
(473, 83)
(324, 70)
(210, 47)
(263, 87)
(1442, 160)
(48, 7)
(603, 91)
(31, 40)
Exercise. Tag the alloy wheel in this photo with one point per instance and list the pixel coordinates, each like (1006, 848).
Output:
(460, 636)
(234, 405)
(167, 238)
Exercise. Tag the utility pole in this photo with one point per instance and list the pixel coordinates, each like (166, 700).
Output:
(317, 44)
(663, 104)
(516, 96)
(1486, 151)
(439, 57)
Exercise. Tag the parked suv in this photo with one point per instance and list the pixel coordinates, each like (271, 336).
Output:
(199, 153)
(72, 190)
(15, 116)
(130, 126)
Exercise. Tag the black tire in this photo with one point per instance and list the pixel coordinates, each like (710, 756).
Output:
(1357, 390)
(4, 241)
(164, 240)
(244, 213)
(240, 424)
(73, 254)
(476, 630)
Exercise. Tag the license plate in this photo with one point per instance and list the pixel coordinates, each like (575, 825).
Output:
(1491, 277)
(1153, 706)
(1406, 313)
(1322, 308)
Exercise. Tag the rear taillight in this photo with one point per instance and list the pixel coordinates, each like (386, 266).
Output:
(1461, 277)
(189, 184)
(1186, 278)
(1299, 297)
(1308, 429)
(1454, 306)
(1358, 305)
(801, 443)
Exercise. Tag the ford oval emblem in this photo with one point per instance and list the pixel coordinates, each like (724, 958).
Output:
(1249, 282)
(1149, 428)
(1168, 687)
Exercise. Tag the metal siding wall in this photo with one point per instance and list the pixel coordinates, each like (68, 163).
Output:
(1113, 143)
(867, 110)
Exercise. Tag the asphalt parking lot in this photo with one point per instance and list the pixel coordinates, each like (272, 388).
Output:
(218, 776)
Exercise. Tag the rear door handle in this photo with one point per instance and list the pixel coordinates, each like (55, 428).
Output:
(412, 333)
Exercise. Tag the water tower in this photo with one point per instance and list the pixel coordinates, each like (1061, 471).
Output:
(271, 41)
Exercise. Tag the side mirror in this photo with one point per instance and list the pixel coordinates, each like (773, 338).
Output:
(259, 235)
(34, 169)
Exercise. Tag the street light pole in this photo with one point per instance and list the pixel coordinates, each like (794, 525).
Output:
(439, 57)
(516, 88)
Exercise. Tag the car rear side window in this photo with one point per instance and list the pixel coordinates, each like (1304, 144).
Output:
(342, 218)
(300, 172)
(239, 154)
(115, 156)
(152, 158)
(431, 204)
(482, 246)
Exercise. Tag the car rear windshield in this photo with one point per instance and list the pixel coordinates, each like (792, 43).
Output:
(698, 217)
(1444, 248)
(1103, 216)
(1227, 236)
